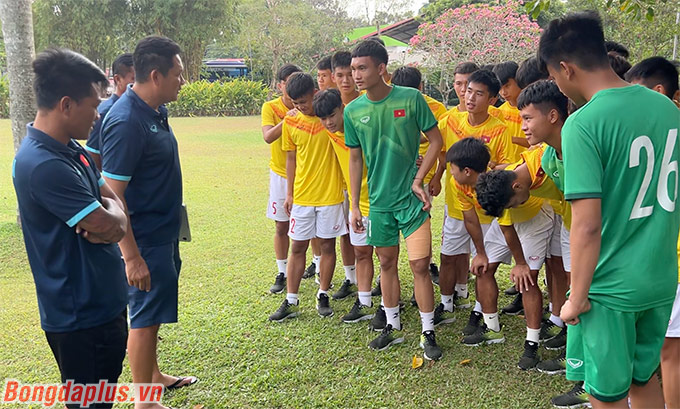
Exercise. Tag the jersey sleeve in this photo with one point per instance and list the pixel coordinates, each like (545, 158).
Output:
(444, 130)
(57, 186)
(351, 137)
(582, 164)
(122, 148)
(93, 143)
(503, 149)
(462, 200)
(286, 136)
(268, 115)
(424, 116)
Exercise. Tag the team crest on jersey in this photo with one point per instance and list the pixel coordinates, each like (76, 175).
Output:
(575, 363)
(365, 119)
(485, 138)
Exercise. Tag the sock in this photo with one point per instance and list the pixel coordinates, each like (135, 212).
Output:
(447, 300)
(556, 320)
(462, 290)
(292, 298)
(491, 321)
(550, 307)
(317, 262)
(382, 302)
(532, 334)
(351, 274)
(321, 292)
(365, 298)
(393, 317)
(427, 319)
(478, 307)
(282, 264)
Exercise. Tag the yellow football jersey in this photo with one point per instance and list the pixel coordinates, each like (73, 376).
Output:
(466, 198)
(438, 110)
(544, 187)
(318, 179)
(342, 153)
(273, 112)
(524, 212)
(513, 120)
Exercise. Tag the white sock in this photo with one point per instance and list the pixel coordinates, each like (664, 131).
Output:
(550, 307)
(282, 265)
(351, 274)
(427, 319)
(365, 298)
(321, 292)
(478, 307)
(533, 334)
(317, 262)
(292, 298)
(556, 320)
(382, 302)
(447, 300)
(491, 321)
(462, 290)
(393, 317)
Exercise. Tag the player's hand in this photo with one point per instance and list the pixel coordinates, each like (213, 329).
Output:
(91, 237)
(357, 221)
(288, 205)
(571, 310)
(417, 188)
(521, 276)
(292, 112)
(419, 161)
(138, 273)
(435, 187)
(480, 263)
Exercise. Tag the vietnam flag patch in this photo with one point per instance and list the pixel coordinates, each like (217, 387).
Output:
(486, 138)
(540, 172)
(84, 160)
(399, 113)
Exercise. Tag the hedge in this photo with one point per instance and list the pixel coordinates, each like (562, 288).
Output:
(228, 98)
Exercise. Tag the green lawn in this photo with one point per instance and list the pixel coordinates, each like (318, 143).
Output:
(223, 335)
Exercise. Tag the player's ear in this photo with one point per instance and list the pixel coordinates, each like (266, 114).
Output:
(553, 116)
(676, 98)
(660, 89)
(567, 69)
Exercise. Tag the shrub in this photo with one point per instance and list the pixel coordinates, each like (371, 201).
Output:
(4, 97)
(228, 98)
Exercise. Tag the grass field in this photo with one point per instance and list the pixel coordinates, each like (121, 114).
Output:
(223, 335)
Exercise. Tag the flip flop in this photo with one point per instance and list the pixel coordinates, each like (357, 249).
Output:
(178, 383)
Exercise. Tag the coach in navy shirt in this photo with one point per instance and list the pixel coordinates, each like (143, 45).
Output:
(141, 163)
(71, 221)
(123, 75)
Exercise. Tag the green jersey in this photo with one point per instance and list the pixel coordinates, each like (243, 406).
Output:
(553, 166)
(388, 133)
(622, 147)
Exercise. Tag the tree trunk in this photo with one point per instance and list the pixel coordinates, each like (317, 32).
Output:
(17, 30)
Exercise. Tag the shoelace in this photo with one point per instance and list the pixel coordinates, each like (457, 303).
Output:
(429, 336)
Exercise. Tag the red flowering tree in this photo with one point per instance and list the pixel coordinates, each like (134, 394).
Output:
(480, 33)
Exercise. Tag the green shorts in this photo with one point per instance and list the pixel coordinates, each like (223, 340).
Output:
(609, 349)
(384, 227)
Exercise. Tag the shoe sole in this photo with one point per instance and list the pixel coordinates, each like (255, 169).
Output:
(528, 369)
(465, 333)
(489, 342)
(463, 306)
(446, 321)
(364, 318)
(293, 315)
(326, 316)
(578, 405)
(394, 342)
(543, 341)
(513, 313)
(557, 372)
(276, 292)
(425, 355)
(377, 329)
(555, 349)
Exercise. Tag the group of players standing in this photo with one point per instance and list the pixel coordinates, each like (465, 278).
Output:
(557, 170)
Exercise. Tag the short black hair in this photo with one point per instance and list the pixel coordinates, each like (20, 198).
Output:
(494, 191)
(618, 48)
(324, 64)
(326, 101)
(619, 64)
(653, 71)
(154, 53)
(487, 78)
(577, 38)
(407, 77)
(469, 153)
(488, 67)
(60, 72)
(299, 84)
(529, 71)
(371, 48)
(505, 71)
(545, 95)
(122, 64)
(341, 59)
(378, 40)
(466, 68)
(286, 70)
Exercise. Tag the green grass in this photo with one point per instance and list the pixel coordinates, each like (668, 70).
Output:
(223, 335)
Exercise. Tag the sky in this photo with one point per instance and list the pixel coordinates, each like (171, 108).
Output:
(355, 7)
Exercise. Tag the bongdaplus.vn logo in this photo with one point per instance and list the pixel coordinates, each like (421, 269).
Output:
(83, 395)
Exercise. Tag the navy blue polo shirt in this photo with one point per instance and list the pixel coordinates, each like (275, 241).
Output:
(139, 147)
(94, 140)
(80, 285)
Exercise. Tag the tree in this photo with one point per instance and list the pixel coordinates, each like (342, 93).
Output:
(17, 31)
(480, 33)
(435, 8)
(635, 8)
(380, 12)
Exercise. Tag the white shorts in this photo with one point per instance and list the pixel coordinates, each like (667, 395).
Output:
(534, 235)
(455, 238)
(485, 229)
(674, 324)
(556, 237)
(566, 250)
(277, 195)
(359, 239)
(324, 222)
(345, 207)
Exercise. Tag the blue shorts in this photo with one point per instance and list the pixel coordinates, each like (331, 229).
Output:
(158, 306)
